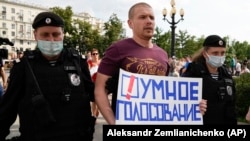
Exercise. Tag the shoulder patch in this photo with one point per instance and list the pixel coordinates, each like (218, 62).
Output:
(29, 54)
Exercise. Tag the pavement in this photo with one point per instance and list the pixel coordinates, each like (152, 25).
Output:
(98, 129)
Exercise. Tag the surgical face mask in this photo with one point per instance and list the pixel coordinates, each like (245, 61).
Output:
(216, 61)
(50, 48)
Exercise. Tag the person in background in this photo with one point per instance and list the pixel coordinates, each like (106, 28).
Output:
(93, 66)
(218, 86)
(173, 67)
(238, 68)
(187, 61)
(3, 85)
(244, 69)
(137, 55)
(233, 65)
(19, 54)
(18, 57)
(49, 89)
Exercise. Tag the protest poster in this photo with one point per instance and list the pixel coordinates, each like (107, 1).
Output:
(158, 100)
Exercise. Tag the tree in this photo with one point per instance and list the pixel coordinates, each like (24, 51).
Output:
(113, 31)
(162, 40)
(79, 34)
(66, 14)
(85, 37)
(184, 44)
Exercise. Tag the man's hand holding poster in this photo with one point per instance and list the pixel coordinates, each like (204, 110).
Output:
(159, 100)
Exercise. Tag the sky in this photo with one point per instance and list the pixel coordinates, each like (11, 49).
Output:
(202, 17)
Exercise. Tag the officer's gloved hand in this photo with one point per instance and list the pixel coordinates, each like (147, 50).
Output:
(112, 85)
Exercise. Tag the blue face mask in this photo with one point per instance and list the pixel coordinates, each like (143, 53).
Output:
(216, 61)
(50, 48)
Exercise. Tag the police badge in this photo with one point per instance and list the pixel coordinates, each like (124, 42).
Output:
(74, 79)
(47, 20)
(229, 90)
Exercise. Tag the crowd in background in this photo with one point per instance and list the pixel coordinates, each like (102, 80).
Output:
(179, 65)
(238, 67)
(59, 105)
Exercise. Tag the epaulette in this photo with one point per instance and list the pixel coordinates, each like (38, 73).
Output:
(75, 56)
(226, 71)
(196, 69)
(29, 54)
(72, 53)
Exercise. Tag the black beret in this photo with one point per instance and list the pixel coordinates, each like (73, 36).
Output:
(214, 41)
(47, 19)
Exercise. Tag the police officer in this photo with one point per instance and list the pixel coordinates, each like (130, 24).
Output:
(218, 88)
(49, 88)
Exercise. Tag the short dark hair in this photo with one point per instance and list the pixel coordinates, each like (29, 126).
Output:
(131, 10)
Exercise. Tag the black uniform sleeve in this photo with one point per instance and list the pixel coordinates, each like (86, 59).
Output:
(89, 85)
(10, 100)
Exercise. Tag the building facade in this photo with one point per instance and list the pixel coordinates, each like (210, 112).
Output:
(16, 24)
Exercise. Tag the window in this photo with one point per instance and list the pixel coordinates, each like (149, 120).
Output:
(4, 10)
(4, 25)
(21, 28)
(13, 10)
(13, 18)
(13, 34)
(13, 26)
(20, 15)
(29, 32)
(20, 18)
(3, 13)
(21, 42)
(13, 41)
(3, 16)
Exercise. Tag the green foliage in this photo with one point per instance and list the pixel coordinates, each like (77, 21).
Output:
(81, 35)
(85, 37)
(242, 94)
(113, 31)
(162, 40)
(66, 14)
